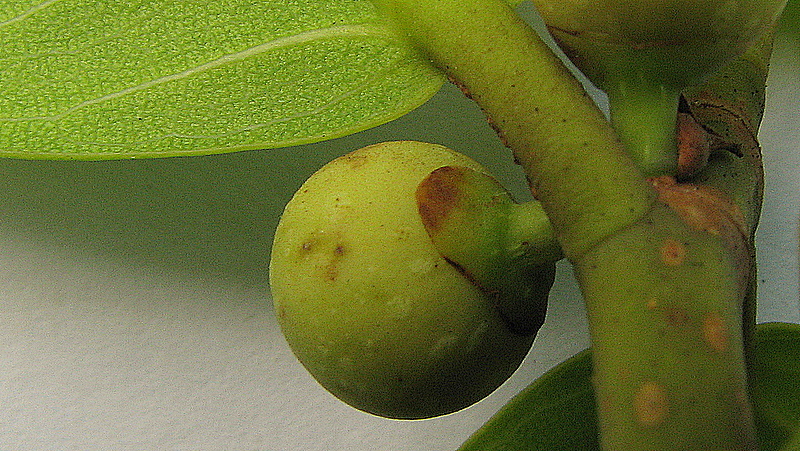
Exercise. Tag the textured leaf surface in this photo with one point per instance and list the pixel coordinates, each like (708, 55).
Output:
(556, 412)
(118, 79)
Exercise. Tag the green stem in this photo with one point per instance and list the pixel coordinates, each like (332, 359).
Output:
(527, 221)
(663, 297)
(731, 105)
(663, 301)
(584, 177)
(645, 118)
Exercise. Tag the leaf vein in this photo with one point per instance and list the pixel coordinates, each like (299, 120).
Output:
(365, 84)
(283, 42)
(29, 12)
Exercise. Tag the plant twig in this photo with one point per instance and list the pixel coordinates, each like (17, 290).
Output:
(663, 279)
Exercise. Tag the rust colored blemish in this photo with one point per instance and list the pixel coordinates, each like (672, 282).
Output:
(323, 253)
(701, 207)
(715, 333)
(438, 195)
(651, 304)
(332, 273)
(710, 210)
(706, 209)
(650, 404)
(673, 252)
(332, 268)
(355, 159)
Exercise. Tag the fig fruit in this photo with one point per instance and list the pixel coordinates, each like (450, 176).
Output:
(367, 303)
(643, 53)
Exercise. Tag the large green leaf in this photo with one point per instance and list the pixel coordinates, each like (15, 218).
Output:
(100, 79)
(556, 412)
(790, 21)
(776, 386)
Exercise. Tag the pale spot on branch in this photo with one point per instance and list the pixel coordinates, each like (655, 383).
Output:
(650, 405)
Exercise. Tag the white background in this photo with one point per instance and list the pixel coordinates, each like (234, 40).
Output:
(135, 313)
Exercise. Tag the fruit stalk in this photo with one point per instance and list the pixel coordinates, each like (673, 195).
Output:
(645, 118)
(643, 54)
(497, 243)
(663, 291)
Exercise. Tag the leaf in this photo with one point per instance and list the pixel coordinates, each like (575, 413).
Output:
(106, 79)
(776, 385)
(556, 412)
(790, 21)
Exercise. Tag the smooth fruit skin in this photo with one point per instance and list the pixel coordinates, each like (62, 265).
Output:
(366, 302)
(675, 43)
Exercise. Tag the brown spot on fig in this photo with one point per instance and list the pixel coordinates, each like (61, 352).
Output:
(323, 252)
(715, 333)
(438, 195)
(355, 159)
(332, 267)
(650, 405)
(672, 252)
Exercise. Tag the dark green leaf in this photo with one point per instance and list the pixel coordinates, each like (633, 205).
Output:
(557, 411)
(554, 413)
(790, 21)
(776, 385)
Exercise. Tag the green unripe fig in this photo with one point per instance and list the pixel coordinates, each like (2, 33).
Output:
(674, 42)
(368, 305)
(642, 53)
